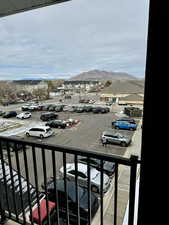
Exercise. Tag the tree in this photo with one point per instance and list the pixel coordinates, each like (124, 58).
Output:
(108, 83)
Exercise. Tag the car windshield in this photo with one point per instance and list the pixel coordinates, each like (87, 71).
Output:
(48, 130)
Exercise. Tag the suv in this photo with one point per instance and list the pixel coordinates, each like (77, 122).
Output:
(115, 138)
(48, 116)
(9, 114)
(39, 131)
(128, 119)
(125, 125)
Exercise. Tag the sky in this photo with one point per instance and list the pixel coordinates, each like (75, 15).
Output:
(63, 40)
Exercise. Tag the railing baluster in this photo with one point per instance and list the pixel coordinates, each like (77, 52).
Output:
(77, 191)
(36, 181)
(4, 178)
(133, 173)
(115, 192)
(28, 183)
(55, 186)
(45, 184)
(101, 194)
(20, 183)
(12, 181)
(65, 186)
(89, 190)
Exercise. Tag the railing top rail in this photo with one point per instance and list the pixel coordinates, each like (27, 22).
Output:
(73, 150)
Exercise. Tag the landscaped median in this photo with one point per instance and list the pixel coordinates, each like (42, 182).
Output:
(8, 124)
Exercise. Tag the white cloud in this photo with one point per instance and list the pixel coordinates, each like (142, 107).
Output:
(75, 36)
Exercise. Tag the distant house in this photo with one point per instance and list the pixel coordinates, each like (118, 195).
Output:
(30, 85)
(120, 90)
(80, 85)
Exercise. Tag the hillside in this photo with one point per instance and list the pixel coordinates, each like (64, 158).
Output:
(102, 75)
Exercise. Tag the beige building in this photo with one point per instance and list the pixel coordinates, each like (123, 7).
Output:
(124, 91)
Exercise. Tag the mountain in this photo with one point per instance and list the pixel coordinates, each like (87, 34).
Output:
(102, 75)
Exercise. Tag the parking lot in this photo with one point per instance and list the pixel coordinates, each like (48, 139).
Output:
(85, 135)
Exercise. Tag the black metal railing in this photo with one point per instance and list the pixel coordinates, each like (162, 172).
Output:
(28, 164)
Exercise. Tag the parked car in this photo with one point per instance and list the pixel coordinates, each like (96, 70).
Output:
(109, 103)
(124, 125)
(2, 113)
(68, 96)
(48, 116)
(104, 110)
(57, 124)
(97, 109)
(128, 119)
(52, 108)
(72, 203)
(25, 107)
(92, 101)
(115, 138)
(108, 167)
(72, 122)
(24, 115)
(95, 177)
(80, 109)
(10, 114)
(88, 108)
(58, 108)
(39, 131)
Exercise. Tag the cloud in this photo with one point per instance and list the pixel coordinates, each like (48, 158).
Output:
(73, 37)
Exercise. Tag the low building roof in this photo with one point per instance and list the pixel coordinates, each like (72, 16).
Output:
(124, 87)
(9, 7)
(132, 97)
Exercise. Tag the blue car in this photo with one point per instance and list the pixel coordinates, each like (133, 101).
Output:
(124, 125)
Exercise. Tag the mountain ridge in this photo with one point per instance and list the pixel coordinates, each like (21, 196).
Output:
(102, 75)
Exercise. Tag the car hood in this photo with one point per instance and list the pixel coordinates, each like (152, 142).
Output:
(96, 177)
(83, 201)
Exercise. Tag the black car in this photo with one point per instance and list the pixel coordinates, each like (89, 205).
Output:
(10, 114)
(88, 108)
(72, 203)
(57, 124)
(96, 109)
(48, 116)
(108, 167)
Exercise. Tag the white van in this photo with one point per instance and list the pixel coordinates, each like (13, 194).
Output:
(40, 131)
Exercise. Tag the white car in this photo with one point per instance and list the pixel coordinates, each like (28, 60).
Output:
(24, 115)
(95, 176)
(39, 131)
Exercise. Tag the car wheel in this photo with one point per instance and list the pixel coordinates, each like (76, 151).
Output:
(94, 189)
(116, 127)
(41, 136)
(27, 134)
(123, 144)
(131, 129)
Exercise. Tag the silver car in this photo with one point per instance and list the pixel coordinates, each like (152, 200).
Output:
(115, 138)
(95, 176)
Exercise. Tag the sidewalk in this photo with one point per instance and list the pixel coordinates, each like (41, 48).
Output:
(123, 187)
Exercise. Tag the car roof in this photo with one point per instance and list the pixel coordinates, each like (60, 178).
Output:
(80, 167)
(41, 127)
